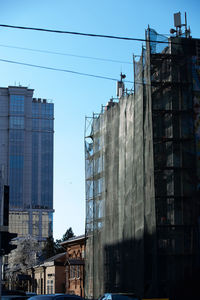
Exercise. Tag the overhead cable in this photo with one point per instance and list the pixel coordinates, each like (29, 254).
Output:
(66, 54)
(62, 70)
(79, 33)
(79, 73)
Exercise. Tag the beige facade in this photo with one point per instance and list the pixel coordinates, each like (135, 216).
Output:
(39, 279)
(49, 278)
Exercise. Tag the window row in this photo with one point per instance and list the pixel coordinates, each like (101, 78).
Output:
(75, 271)
(17, 104)
(42, 109)
(42, 124)
(16, 122)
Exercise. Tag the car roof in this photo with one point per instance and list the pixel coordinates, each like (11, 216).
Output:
(13, 292)
(13, 297)
(123, 295)
(45, 296)
(52, 296)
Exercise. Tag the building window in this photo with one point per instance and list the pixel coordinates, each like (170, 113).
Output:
(78, 272)
(35, 222)
(35, 124)
(49, 286)
(35, 109)
(41, 286)
(16, 163)
(19, 222)
(17, 104)
(72, 272)
(16, 122)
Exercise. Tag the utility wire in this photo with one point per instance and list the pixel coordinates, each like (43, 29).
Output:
(66, 54)
(79, 33)
(79, 73)
(62, 70)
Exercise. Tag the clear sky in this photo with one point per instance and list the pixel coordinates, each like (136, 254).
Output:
(77, 96)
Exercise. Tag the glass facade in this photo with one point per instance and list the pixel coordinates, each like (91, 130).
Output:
(30, 171)
(35, 223)
(17, 104)
(42, 158)
(35, 169)
(19, 222)
(16, 122)
(47, 223)
(46, 170)
(16, 150)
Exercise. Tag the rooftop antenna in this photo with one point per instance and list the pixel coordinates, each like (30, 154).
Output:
(178, 25)
(120, 86)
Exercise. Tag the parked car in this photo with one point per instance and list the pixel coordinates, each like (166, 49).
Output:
(30, 294)
(119, 296)
(57, 297)
(14, 297)
(15, 294)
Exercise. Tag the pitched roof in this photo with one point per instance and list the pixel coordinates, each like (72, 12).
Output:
(75, 262)
(56, 257)
(73, 239)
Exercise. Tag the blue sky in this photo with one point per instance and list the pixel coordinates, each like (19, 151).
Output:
(78, 96)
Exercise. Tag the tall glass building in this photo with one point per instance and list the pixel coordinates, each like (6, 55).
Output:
(26, 156)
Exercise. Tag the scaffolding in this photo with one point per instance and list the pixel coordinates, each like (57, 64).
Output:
(142, 159)
(175, 166)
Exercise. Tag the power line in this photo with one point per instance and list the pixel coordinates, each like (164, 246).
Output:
(79, 33)
(61, 70)
(66, 54)
(77, 73)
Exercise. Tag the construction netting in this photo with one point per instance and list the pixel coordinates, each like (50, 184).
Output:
(141, 201)
(115, 201)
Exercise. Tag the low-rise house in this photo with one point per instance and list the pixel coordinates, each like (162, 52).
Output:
(75, 249)
(49, 277)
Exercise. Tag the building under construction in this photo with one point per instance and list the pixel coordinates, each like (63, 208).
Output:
(142, 156)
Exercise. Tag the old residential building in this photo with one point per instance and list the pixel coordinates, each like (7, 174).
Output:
(48, 277)
(62, 273)
(75, 249)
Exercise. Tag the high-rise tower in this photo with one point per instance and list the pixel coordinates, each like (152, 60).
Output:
(26, 156)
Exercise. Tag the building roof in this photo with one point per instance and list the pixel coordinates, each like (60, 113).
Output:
(73, 240)
(75, 262)
(56, 257)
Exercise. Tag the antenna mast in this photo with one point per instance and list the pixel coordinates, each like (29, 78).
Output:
(178, 25)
